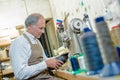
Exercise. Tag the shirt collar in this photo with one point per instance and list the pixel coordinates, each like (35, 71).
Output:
(30, 36)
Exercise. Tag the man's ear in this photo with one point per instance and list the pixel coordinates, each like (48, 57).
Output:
(30, 27)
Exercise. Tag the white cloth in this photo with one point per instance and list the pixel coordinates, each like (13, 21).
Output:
(20, 52)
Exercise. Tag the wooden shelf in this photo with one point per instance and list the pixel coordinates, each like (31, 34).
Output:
(6, 72)
(4, 45)
(5, 59)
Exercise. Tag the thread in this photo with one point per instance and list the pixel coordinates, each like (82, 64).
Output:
(74, 63)
(115, 34)
(81, 61)
(108, 52)
(89, 45)
(118, 51)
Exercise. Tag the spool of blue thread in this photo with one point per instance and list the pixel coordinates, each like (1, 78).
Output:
(118, 51)
(90, 48)
(58, 20)
(74, 63)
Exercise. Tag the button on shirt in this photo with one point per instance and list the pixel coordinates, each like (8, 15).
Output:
(20, 52)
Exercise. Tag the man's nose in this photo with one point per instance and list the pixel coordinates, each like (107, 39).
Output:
(43, 31)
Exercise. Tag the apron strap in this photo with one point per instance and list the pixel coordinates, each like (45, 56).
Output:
(27, 38)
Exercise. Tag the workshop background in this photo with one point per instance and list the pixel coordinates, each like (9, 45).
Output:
(71, 26)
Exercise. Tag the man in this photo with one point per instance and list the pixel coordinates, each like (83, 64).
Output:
(27, 55)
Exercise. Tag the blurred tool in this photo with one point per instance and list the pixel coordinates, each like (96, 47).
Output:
(63, 57)
(86, 19)
(63, 33)
(75, 26)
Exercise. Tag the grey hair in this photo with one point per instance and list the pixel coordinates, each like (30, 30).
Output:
(33, 19)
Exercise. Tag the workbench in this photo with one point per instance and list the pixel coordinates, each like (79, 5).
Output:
(66, 75)
(69, 76)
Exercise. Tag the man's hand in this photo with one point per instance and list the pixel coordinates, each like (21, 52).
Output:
(53, 63)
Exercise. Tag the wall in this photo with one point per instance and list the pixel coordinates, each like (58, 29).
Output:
(113, 7)
(14, 12)
(76, 8)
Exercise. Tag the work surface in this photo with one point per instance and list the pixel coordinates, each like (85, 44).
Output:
(69, 76)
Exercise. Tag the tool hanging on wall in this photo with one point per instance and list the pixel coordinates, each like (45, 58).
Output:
(76, 24)
(75, 28)
(86, 19)
(63, 33)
